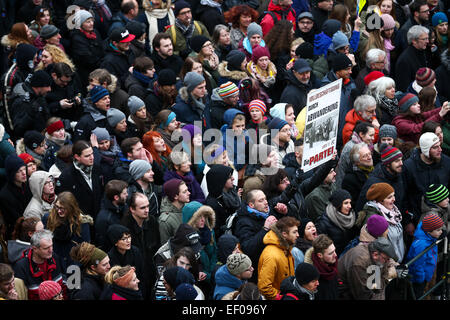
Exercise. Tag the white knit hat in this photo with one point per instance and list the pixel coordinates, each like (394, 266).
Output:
(426, 141)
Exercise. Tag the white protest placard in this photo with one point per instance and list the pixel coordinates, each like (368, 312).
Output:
(321, 125)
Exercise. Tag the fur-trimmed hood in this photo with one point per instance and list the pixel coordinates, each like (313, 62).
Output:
(85, 218)
(445, 59)
(113, 86)
(21, 148)
(275, 238)
(308, 256)
(208, 213)
(235, 74)
(8, 42)
(184, 94)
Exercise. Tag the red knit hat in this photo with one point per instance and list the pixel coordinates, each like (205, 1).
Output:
(55, 126)
(424, 76)
(258, 52)
(48, 290)
(27, 158)
(432, 222)
(374, 75)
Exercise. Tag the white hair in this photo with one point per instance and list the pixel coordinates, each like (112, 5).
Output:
(415, 32)
(363, 102)
(40, 235)
(373, 54)
(354, 152)
(378, 87)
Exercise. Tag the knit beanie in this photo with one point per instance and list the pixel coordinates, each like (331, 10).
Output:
(228, 89)
(438, 18)
(259, 105)
(114, 116)
(27, 158)
(426, 141)
(339, 40)
(341, 62)
(406, 100)
(301, 228)
(305, 51)
(82, 16)
(175, 276)
(135, 104)
(424, 76)
(436, 193)
(238, 263)
(276, 124)
(254, 28)
(185, 291)
(234, 59)
(278, 111)
(338, 197)
(305, 273)
(101, 133)
(171, 188)
(225, 246)
(166, 77)
(259, 52)
(138, 168)
(330, 27)
(136, 28)
(55, 126)
(40, 79)
(180, 5)
(98, 92)
(189, 209)
(197, 42)
(192, 129)
(389, 154)
(186, 236)
(379, 191)
(192, 79)
(388, 21)
(48, 289)
(305, 14)
(12, 164)
(374, 75)
(33, 139)
(387, 130)
(115, 232)
(377, 225)
(25, 54)
(432, 222)
(48, 31)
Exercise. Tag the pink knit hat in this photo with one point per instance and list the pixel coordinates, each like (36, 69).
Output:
(389, 22)
(48, 290)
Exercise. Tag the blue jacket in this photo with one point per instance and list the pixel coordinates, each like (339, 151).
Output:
(323, 42)
(225, 283)
(186, 112)
(423, 269)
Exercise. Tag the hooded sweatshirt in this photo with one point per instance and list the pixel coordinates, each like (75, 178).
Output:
(37, 206)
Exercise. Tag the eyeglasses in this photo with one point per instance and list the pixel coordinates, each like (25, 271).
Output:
(423, 39)
(208, 44)
(58, 208)
(425, 11)
(126, 238)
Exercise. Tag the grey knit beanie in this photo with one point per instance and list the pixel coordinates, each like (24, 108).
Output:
(138, 168)
(101, 133)
(82, 16)
(254, 28)
(134, 104)
(387, 130)
(238, 263)
(114, 116)
(192, 79)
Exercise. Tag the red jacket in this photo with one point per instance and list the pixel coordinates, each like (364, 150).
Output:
(350, 121)
(267, 22)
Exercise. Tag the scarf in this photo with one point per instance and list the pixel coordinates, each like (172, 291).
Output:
(103, 10)
(153, 17)
(366, 170)
(393, 216)
(301, 289)
(341, 220)
(266, 77)
(186, 31)
(388, 48)
(142, 78)
(258, 213)
(357, 139)
(49, 198)
(90, 35)
(389, 105)
(85, 169)
(198, 105)
(231, 200)
(205, 235)
(211, 3)
(59, 142)
(327, 271)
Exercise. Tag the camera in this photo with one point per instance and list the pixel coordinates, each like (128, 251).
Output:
(73, 100)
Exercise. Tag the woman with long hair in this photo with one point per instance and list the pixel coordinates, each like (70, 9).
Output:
(341, 13)
(206, 55)
(52, 54)
(221, 40)
(42, 18)
(427, 99)
(20, 33)
(69, 226)
(387, 33)
(240, 18)
(440, 25)
(262, 69)
(122, 284)
(154, 143)
(194, 64)
(166, 124)
(194, 148)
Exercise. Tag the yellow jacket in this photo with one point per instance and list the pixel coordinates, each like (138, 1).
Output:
(275, 264)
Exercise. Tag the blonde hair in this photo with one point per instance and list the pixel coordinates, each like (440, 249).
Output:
(58, 55)
(116, 273)
(297, 42)
(73, 213)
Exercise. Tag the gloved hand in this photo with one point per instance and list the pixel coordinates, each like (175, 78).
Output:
(402, 271)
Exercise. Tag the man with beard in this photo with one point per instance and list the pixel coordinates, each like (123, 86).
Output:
(162, 92)
(357, 270)
(163, 56)
(420, 15)
(427, 165)
(276, 261)
(323, 256)
(113, 206)
(282, 141)
(184, 29)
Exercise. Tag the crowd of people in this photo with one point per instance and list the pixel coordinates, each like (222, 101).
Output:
(152, 150)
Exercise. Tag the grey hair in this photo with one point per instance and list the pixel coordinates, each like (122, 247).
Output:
(415, 31)
(378, 87)
(40, 235)
(216, 33)
(354, 153)
(373, 54)
(363, 102)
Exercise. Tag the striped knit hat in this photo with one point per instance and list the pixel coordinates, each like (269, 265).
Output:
(258, 104)
(432, 222)
(406, 101)
(436, 193)
(389, 154)
(98, 92)
(424, 76)
(228, 89)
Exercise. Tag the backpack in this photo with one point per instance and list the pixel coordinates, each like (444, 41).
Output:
(173, 32)
(281, 296)
(350, 245)
(229, 223)
(283, 15)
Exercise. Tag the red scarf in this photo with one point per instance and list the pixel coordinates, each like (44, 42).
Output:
(90, 35)
(327, 271)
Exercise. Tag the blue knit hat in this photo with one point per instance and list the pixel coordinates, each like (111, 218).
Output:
(438, 18)
(189, 209)
(340, 40)
(276, 123)
(12, 164)
(98, 92)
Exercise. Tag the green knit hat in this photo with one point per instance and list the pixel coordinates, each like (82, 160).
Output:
(97, 256)
(436, 193)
